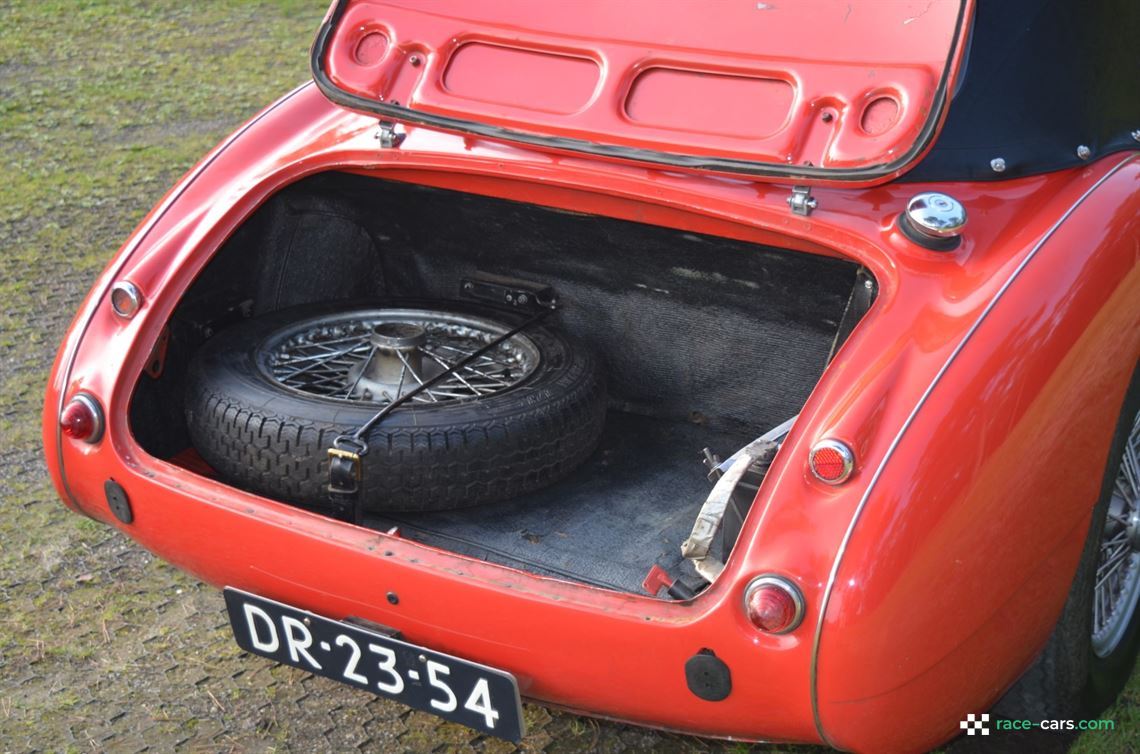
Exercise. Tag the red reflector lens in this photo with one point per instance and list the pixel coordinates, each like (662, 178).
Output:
(831, 461)
(773, 605)
(81, 419)
(828, 463)
(125, 299)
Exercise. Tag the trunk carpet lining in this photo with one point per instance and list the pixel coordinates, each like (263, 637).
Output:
(706, 341)
(630, 506)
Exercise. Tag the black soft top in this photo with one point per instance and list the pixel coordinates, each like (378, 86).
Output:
(1042, 78)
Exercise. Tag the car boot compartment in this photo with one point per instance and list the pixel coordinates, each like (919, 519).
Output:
(705, 343)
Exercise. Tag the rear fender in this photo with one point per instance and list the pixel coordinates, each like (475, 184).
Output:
(960, 560)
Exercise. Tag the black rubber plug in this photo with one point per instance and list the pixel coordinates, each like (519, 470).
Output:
(708, 677)
(118, 502)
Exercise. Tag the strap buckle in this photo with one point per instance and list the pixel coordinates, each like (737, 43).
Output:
(346, 457)
(345, 469)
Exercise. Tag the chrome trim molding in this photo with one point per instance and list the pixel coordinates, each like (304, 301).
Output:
(833, 575)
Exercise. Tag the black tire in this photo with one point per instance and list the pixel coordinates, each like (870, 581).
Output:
(1068, 680)
(263, 437)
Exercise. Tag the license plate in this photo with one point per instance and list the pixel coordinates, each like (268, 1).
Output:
(465, 692)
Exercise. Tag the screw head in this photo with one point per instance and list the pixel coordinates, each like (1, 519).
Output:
(1084, 152)
(997, 165)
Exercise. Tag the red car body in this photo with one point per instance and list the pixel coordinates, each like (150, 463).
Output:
(977, 394)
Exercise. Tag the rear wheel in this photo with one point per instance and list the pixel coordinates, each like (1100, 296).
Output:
(1093, 648)
(1116, 584)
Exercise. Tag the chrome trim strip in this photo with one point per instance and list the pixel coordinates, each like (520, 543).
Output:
(69, 360)
(906, 425)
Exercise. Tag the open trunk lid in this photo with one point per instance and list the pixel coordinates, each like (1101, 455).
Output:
(817, 91)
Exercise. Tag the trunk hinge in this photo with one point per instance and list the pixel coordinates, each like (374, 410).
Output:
(390, 135)
(801, 201)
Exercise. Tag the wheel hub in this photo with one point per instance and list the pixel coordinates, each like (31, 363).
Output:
(397, 353)
(1133, 529)
(378, 355)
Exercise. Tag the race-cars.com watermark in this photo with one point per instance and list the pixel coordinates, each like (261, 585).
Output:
(981, 725)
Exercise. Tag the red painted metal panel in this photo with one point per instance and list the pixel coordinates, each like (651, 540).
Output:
(959, 564)
(819, 86)
(929, 601)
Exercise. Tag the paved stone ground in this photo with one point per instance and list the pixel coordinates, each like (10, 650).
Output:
(103, 103)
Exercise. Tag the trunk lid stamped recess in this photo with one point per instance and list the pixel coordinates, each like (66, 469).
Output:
(820, 92)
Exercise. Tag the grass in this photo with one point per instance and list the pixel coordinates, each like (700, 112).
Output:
(103, 104)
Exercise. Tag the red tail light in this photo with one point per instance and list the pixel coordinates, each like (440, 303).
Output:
(82, 419)
(773, 604)
(831, 461)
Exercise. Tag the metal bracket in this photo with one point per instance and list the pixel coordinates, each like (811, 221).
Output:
(801, 201)
(157, 359)
(390, 135)
(520, 294)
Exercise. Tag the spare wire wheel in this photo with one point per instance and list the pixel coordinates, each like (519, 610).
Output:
(484, 412)
(379, 355)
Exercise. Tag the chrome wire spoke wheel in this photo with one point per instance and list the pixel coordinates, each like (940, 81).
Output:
(374, 356)
(1117, 587)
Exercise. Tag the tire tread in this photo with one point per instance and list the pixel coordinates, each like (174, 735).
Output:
(237, 426)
